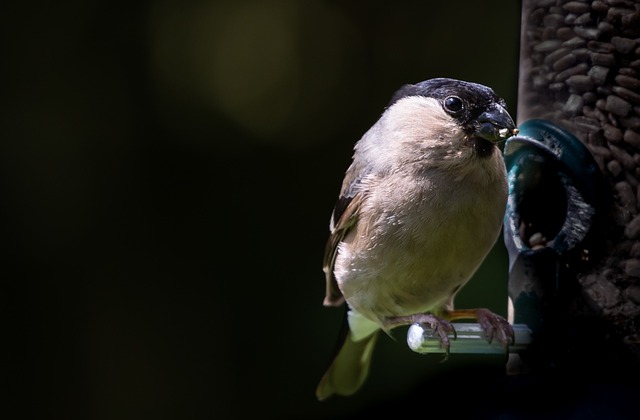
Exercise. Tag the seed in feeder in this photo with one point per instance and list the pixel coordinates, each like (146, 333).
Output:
(614, 168)
(537, 240)
(599, 6)
(559, 54)
(606, 29)
(627, 81)
(600, 47)
(632, 267)
(586, 124)
(598, 74)
(615, 14)
(627, 94)
(612, 133)
(553, 20)
(631, 19)
(633, 138)
(576, 7)
(632, 230)
(603, 59)
(547, 46)
(575, 42)
(580, 83)
(583, 19)
(587, 33)
(573, 105)
(621, 155)
(565, 74)
(623, 45)
(632, 122)
(617, 105)
(601, 151)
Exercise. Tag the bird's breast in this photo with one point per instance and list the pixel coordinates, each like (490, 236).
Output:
(417, 243)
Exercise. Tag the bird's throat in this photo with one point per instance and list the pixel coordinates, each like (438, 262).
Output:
(483, 148)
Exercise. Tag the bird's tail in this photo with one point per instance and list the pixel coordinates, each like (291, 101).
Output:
(349, 368)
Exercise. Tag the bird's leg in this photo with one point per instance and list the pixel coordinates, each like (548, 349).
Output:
(494, 325)
(441, 327)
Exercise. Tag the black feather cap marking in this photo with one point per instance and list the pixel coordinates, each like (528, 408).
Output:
(476, 97)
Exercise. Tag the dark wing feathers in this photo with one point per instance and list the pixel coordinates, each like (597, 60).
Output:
(344, 217)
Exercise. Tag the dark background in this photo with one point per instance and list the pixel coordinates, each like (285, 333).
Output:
(168, 169)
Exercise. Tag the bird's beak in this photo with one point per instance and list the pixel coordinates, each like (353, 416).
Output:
(495, 124)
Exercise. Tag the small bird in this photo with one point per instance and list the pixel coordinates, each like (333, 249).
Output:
(420, 207)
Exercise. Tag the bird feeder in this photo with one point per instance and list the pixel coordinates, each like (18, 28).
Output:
(572, 224)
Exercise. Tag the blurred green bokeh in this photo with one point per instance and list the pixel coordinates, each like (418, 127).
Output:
(168, 170)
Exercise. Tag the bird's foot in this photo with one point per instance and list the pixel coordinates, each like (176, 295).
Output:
(493, 325)
(496, 327)
(441, 327)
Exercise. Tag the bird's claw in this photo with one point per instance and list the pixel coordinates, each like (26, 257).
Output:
(495, 327)
(441, 330)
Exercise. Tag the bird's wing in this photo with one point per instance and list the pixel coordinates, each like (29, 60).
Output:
(344, 217)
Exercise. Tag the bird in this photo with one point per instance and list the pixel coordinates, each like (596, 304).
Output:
(420, 207)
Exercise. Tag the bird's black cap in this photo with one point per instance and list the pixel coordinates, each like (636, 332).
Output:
(441, 88)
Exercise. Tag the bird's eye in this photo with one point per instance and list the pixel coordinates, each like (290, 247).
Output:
(453, 104)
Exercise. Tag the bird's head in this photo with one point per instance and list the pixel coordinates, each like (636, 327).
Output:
(454, 109)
